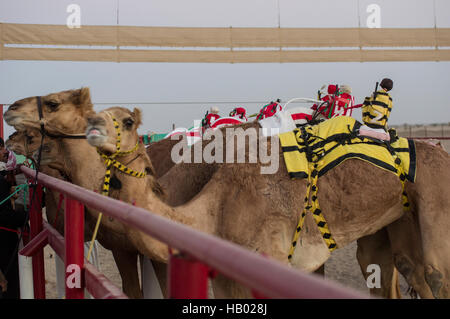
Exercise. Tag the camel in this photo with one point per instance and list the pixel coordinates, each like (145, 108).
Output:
(376, 216)
(371, 249)
(309, 224)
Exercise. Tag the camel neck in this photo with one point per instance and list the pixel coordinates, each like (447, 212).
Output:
(83, 164)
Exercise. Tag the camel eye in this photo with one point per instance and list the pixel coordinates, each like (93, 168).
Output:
(128, 123)
(52, 105)
(29, 139)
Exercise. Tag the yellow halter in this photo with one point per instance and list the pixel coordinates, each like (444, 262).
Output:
(110, 161)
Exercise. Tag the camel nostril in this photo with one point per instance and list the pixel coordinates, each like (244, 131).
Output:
(95, 121)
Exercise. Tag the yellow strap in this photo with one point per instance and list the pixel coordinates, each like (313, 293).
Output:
(301, 221)
(314, 207)
(318, 216)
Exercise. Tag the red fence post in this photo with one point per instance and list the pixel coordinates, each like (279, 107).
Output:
(188, 278)
(74, 235)
(35, 228)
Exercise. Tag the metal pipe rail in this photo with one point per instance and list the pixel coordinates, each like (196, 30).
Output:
(263, 275)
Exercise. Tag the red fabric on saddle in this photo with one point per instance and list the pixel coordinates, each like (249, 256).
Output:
(301, 116)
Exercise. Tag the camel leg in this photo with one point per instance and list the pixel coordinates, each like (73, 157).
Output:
(430, 196)
(436, 248)
(376, 249)
(406, 245)
(126, 262)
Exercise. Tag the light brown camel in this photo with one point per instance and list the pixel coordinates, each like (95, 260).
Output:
(281, 161)
(280, 215)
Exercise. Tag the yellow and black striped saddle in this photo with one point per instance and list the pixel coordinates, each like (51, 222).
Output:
(311, 151)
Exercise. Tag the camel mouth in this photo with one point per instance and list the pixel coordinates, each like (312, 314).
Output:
(97, 137)
(11, 119)
(94, 131)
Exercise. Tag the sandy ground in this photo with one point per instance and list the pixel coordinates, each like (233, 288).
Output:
(341, 267)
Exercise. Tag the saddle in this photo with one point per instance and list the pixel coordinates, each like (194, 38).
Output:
(311, 151)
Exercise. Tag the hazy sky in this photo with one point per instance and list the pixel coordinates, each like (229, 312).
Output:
(420, 88)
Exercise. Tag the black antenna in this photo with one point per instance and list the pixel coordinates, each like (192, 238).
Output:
(376, 91)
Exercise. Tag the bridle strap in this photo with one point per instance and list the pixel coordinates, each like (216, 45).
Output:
(46, 133)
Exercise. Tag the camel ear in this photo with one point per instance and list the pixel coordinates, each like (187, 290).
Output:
(137, 115)
(82, 98)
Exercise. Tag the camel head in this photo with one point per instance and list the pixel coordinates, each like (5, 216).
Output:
(102, 132)
(16, 143)
(28, 142)
(24, 142)
(62, 112)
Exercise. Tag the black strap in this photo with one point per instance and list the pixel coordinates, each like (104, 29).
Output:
(64, 136)
(41, 116)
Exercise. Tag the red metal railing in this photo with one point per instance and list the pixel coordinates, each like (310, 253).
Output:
(201, 253)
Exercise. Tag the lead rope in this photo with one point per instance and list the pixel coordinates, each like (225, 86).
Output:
(109, 162)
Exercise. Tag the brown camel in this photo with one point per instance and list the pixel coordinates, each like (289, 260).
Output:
(372, 249)
(275, 216)
(159, 153)
(321, 191)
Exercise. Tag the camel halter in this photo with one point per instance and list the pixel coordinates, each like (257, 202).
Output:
(110, 161)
